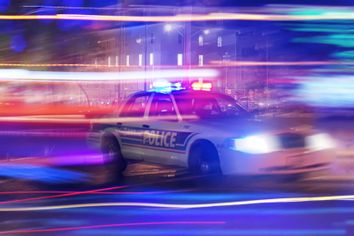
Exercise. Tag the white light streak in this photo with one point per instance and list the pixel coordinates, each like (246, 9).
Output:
(53, 76)
(183, 206)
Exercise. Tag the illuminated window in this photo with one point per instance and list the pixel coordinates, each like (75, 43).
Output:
(140, 59)
(201, 60)
(109, 61)
(219, 42)
(200, 40)
(180, 59)
(128, 60)
(151, 57)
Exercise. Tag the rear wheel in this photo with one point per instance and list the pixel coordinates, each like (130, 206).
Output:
(203, 159)
(113, 158)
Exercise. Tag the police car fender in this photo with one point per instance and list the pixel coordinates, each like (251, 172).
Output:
(111, 131)
(215, 141)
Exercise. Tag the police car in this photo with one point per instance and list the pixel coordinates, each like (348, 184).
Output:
(208, 132)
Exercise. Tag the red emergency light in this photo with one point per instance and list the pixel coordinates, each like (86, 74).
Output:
(202, 86)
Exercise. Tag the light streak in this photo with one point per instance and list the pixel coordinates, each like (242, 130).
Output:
(182, 206)
(93, 193)
(280, 63)
(70, 194)
(78, 120)
(327, 91)
(26, 133)
(49, 120)
(339, 15)
(53, 76)
(24, 231)
(40, 173)
(212, 64)
(20, 106)
(56, 65)
(69, 7)
(130, 67)
(37, 162)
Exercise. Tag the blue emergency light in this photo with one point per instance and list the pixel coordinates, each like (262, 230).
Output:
(164, 86)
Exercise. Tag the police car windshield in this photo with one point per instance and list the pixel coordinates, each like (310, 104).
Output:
(207, 105)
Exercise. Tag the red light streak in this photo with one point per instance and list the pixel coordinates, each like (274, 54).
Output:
(278, 63)
(25, 133)
(94, 191)
(69, 194)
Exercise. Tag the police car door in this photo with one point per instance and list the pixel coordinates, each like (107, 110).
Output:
(131, 125)
(161, 138)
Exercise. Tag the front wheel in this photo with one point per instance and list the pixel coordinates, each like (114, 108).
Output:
(203, 159)
(113, 158)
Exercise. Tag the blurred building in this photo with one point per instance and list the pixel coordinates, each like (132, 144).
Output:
(116, 46)
(147, 47)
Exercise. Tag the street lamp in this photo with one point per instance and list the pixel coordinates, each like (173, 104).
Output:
(168, 27)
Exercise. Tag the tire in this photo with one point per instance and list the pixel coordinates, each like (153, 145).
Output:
(113, 158)
(203, 160)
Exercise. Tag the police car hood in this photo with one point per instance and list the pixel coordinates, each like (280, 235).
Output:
(244, 126)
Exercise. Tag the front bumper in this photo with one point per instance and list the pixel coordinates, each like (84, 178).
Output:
(289, 161)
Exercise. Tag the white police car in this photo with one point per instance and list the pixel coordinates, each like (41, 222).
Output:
(208, 132)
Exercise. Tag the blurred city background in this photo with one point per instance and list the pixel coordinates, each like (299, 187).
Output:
(66, 65)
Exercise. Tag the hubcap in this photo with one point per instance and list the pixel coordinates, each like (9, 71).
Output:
(204, 167)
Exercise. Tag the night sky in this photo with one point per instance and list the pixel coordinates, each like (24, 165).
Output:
(17, 36)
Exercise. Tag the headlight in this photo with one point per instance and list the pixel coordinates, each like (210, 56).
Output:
(319, 142)
(257, 144)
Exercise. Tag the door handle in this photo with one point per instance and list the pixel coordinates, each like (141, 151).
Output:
(146, 126)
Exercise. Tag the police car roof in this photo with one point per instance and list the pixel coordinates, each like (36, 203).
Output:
(182, 92)
(194, 92)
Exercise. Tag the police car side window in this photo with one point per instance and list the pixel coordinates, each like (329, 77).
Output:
(135, 107)
(207, 105)
(185, 104)
(228, 106)
(162, 106)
